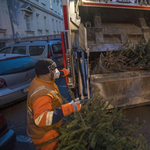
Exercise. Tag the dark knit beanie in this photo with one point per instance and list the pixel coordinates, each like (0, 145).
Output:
(44, 66)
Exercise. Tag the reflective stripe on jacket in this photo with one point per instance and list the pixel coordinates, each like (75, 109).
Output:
(37, 89)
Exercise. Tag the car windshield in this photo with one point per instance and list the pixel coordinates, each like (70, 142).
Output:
(57, 49)
(5, 50)
(16, 65)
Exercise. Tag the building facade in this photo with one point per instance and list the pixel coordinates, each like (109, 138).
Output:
(25, 20)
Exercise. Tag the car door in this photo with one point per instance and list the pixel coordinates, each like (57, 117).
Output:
(19, 50)
(38, 51)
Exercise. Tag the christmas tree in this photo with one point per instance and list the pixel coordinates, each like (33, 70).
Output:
(96, 127)
(127, 58)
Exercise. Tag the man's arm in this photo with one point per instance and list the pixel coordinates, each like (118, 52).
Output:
(43, 114)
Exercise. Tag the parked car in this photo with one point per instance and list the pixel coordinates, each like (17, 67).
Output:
(16, 73)
(38, 49)
(7, 136)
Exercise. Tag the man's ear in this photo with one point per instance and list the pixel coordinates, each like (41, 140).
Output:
(49, 74)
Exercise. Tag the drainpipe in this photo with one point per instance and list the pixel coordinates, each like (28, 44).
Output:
(12, 27)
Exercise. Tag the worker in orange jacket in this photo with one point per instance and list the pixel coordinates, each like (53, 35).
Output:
(45, 110)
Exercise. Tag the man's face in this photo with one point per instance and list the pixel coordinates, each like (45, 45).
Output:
(51, 75)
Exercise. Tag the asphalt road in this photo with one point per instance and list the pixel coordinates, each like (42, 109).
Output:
(143, 114)
(16, 118)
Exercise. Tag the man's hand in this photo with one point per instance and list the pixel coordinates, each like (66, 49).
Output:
(77, 100)
(71, 107)
(76, 105)
(64, 72)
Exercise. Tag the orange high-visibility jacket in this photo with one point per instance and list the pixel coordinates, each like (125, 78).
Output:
(45, 110)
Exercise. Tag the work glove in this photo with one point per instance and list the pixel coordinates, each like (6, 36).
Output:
(77, 100)
(71, 107)
(76, 105)
(64, 72)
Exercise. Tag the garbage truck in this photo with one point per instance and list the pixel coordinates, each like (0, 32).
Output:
(93, 27)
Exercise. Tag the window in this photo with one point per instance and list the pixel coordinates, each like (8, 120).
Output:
(36, 50)
(57, 6)
(5, 50)
(19, 50)
(16, 65)
(28, 22)
(57, 26)
(60, 26)
(38, 21)
(0, 23)
(51, 4)
(45, 22)
(53, 25)
(61, 10)
(2, 19)
(57, 49)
